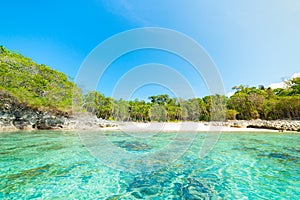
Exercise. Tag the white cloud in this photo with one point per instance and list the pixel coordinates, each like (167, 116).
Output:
(282, 84)
(277, 85)
(229, 94)
(295, 75)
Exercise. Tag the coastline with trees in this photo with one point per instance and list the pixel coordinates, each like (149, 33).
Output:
(36, 96)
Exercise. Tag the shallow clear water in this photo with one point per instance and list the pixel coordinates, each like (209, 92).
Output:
(57, 165)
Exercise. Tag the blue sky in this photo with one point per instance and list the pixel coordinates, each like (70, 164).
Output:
(251, 43)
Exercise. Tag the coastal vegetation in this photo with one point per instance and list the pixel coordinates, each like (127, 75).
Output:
(40, 87)
(35, 85)
(246, 104)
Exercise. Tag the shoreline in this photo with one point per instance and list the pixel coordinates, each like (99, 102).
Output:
(281, 126)
(181, 127)
(91, 123)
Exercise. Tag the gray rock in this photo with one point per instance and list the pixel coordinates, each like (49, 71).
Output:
(281, 125)
(16, 116)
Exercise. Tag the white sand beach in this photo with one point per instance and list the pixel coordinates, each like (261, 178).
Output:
(179, 126)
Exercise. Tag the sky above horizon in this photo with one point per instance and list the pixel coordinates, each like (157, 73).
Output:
(251, 43)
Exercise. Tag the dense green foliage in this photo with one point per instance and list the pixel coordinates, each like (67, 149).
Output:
(253, 103)
(247, 103)
(36, 85)
(40, 87)
(161, 108)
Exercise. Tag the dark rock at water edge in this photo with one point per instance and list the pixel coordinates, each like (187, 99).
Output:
(22, 118)
(17, 116)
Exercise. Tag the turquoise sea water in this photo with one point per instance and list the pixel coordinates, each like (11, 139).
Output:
(57, 165)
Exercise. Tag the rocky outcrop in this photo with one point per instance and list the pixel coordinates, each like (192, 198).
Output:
(281, 125)
(87, 122)
(18, 116)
